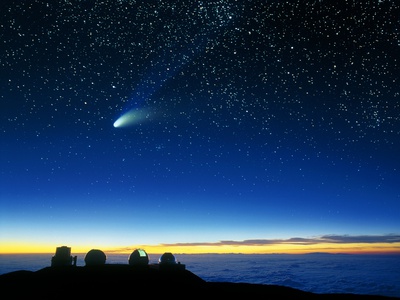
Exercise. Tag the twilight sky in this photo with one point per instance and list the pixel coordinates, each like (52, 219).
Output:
(268, 126)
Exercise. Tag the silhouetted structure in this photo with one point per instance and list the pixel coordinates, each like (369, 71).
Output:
(138, 257)
(63, 257)
(168, 261)
(167, 258)
(95, 257)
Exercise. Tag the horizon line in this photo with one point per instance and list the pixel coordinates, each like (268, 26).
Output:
(359, 244)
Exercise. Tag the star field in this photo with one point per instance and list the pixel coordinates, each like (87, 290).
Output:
(253, 118)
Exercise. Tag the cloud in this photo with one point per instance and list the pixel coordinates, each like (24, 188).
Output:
(371, 239)
(335, 239)
(390, 242)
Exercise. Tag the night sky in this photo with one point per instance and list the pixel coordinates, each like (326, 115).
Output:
(199, 123)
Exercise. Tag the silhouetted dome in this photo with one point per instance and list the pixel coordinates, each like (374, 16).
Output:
(167, 258)
(138, 257)
(95, 257)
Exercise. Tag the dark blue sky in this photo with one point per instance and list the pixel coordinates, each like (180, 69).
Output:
(246, 120)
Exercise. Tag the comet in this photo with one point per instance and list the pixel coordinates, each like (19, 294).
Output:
(172, 60)
(133, 117)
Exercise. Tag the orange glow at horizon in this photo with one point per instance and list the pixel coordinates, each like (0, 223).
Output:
(350, 248)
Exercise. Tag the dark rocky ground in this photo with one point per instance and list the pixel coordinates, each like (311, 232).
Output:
(150, 281)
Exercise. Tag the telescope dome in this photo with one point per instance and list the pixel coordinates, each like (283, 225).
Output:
(167, 258)
(138, 257)
(95, 257)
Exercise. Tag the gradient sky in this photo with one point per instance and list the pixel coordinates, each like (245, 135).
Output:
(215, 126)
